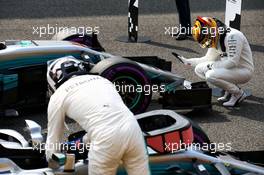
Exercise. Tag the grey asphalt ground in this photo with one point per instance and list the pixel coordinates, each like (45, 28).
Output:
(242, 126)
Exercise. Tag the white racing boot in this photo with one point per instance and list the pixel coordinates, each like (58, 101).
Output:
(235, 99)
(225, 97)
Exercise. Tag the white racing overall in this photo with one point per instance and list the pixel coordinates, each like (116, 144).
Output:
(228, 71)
(112, 130)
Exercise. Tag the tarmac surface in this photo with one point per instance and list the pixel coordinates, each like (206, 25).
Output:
(242, 126)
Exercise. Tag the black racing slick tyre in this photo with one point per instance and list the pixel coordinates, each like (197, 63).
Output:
(198, 134)
(130, 81)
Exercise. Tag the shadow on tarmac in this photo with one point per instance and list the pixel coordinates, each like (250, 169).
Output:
(251, 107)
(169, 46)
(82, 8)
(257, 48)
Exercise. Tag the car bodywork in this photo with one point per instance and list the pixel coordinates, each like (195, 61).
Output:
(23, 74)
(19, 156)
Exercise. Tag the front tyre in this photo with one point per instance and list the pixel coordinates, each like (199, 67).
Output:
(132, 84)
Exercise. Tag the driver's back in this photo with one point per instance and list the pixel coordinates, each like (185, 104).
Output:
(93, 102)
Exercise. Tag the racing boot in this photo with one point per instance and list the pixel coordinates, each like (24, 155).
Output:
(235, 99)
(224, 98)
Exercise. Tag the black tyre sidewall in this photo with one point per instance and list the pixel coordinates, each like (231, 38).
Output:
(199, 135)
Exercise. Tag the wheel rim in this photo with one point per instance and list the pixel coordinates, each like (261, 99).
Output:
(130, 99)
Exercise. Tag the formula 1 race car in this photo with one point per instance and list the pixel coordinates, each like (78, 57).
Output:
(23, 67)
(166, 129)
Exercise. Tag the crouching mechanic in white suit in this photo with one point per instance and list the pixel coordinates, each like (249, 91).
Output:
(93, 102)
(228, 61)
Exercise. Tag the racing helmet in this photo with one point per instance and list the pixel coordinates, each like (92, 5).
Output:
(205, 31)
(62, 69)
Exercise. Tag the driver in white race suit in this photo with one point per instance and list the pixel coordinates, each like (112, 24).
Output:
(93, 102)
(228, 61)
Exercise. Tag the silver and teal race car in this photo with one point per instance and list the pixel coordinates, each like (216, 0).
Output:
(170, 141)
(23, 75)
